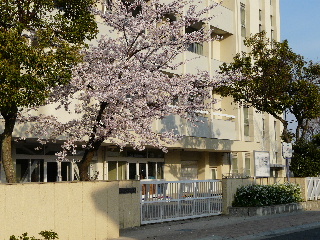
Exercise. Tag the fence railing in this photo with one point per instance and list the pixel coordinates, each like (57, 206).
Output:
(173, 200)
(313, 185)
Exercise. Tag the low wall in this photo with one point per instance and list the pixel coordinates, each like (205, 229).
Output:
(311, 205)
(230, 186)
(266, 210)
(269, 210)
(74, 210)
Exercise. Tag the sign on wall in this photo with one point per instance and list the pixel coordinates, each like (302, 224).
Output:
(287, 150)
(262, 163)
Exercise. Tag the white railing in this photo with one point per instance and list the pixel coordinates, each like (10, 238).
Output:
(173, 200)
(313, 185)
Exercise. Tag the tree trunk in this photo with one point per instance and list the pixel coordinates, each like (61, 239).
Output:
(87, 159)
(6, 145)
(92, 146)
(285, 133)
(286, 136)
(298, 129)
(302, 129)
(84, 165)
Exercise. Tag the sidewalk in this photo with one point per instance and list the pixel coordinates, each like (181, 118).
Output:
(226, 227)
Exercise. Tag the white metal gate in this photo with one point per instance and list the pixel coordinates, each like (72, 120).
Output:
(173, 200)
(313, 184)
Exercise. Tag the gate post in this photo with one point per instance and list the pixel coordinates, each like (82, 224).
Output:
(225, 196)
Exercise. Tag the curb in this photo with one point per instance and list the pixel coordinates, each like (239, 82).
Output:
(265, 210)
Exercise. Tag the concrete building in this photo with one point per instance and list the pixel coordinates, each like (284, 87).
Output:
(225, 145)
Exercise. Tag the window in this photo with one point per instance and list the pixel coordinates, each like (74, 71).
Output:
(246, 123)
(260, 14)
(106, 6)
(243, 19)
(234, 163)
(112, 170)
(133, 171)
(117, 170)
(272, 38)
(247, 164)
(189, 170)
(123, 170)
(214, 173)
(260, 27)
(275, 173)
(160, 170)
(263, 128)
(271, 20)
(195, 47)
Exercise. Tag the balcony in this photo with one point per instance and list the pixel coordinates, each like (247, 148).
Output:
(208, 128)
(222, 21)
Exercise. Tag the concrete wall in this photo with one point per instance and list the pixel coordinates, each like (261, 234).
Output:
(81, 210)
(302, 182)
(229, 188)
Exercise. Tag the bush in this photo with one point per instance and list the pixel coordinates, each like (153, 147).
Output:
(267, 195)
(46, 234)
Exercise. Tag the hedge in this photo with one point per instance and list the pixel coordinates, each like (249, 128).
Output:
(267, 195)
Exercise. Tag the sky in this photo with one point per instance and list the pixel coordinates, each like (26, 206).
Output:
(300, 25)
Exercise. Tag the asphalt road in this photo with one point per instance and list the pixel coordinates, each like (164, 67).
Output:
(292, 226)
(310, 234)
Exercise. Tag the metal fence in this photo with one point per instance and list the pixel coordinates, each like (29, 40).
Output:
(173, 200)
(313, 184)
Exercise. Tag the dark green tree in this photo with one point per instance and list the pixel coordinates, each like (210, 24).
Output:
(39, 44)
(306, 158)
(274, 79)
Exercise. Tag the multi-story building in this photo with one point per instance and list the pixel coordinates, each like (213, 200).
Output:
(223, 146)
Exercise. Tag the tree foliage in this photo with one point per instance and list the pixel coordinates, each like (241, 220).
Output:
(306, 158)
(275, 79)
(39, 43)
(124, 85)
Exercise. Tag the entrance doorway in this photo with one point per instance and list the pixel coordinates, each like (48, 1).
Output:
(30, 170)
(52, 171)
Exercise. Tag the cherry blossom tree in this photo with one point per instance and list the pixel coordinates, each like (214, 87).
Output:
(128, 80)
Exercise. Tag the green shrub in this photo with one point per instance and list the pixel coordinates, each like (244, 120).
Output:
(46, 234)
(267, 195)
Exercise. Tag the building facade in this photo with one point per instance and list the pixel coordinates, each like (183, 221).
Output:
(224, 145)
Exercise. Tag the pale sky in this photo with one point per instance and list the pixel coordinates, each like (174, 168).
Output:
(300, 25)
